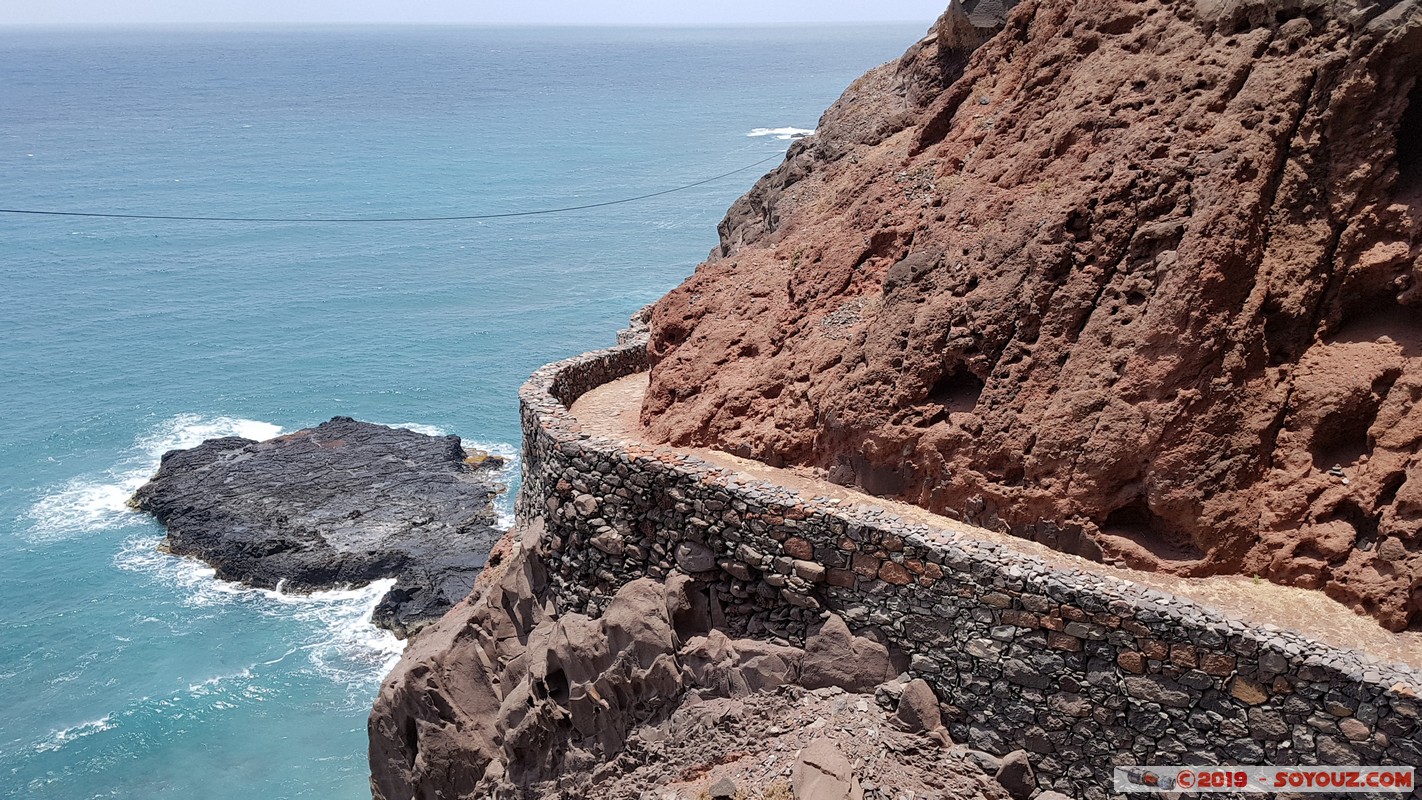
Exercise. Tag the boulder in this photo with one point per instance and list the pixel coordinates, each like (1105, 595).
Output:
(724, 789)
(693, 557)
(918, 708)
(737, 668)
(836, 657)
(823, 773)
(988, 763)
(1016, 775)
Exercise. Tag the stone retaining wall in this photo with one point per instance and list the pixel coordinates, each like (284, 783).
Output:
(1083, 670)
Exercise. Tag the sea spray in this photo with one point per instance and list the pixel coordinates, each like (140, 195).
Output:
(97, 502)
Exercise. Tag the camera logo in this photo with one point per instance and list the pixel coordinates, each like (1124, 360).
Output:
(1145, 778)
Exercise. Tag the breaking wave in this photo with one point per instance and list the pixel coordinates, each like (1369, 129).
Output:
(60, 738)
(341, 645)
(96, 502)
(783, 134)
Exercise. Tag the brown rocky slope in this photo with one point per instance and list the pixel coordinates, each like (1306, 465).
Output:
(505, 698)
(1139, 280)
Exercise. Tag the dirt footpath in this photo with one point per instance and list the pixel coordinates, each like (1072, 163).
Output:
(612, 410)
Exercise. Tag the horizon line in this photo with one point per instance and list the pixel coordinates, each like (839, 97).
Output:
(448, 24)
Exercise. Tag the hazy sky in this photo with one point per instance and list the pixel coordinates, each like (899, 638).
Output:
(611, 12)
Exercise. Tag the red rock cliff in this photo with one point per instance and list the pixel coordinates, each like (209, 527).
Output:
(1136, 279)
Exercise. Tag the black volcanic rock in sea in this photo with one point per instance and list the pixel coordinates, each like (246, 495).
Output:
(341, 504)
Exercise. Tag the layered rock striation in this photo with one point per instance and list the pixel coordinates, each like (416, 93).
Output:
(338, 505)
(1139, 281)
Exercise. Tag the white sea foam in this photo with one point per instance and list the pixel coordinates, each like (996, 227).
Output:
(783, 134)
(342, 644)
(197, 580)
(216, 682)
(417, 427)
(511, 470)
(350, 648)
(60, 738)
(81, 505)
(96, 502)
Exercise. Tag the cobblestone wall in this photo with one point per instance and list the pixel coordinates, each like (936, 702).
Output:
(1083, 670)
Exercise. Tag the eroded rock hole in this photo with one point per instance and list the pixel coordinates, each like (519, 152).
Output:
(957, 392)
(1014, 475)
(1364, 523)
(876, 479)
(675, 334)
(412, 739)
(694, 617)
(1373, 316)
(1390, 487)
(1409, 138)
(556, 685)
(1342, 437)
(1134, 518)
(1283, 333)
(1137, 524)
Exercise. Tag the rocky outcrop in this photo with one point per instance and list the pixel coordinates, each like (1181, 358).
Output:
(341, 504)
(1139, 281)
(507, 698)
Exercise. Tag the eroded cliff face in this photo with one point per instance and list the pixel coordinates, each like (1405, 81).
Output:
(1135, 279)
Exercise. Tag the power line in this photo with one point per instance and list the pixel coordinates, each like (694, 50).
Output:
(460, 218)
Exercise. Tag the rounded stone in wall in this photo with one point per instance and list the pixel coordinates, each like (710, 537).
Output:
(693, 557)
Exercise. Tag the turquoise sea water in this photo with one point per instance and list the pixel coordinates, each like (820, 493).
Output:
(127, 673)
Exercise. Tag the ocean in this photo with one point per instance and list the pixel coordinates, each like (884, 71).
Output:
(128, 673)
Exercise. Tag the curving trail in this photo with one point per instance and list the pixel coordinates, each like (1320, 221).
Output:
(612, 411)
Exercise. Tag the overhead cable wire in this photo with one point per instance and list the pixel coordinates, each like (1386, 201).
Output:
(454, 218)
